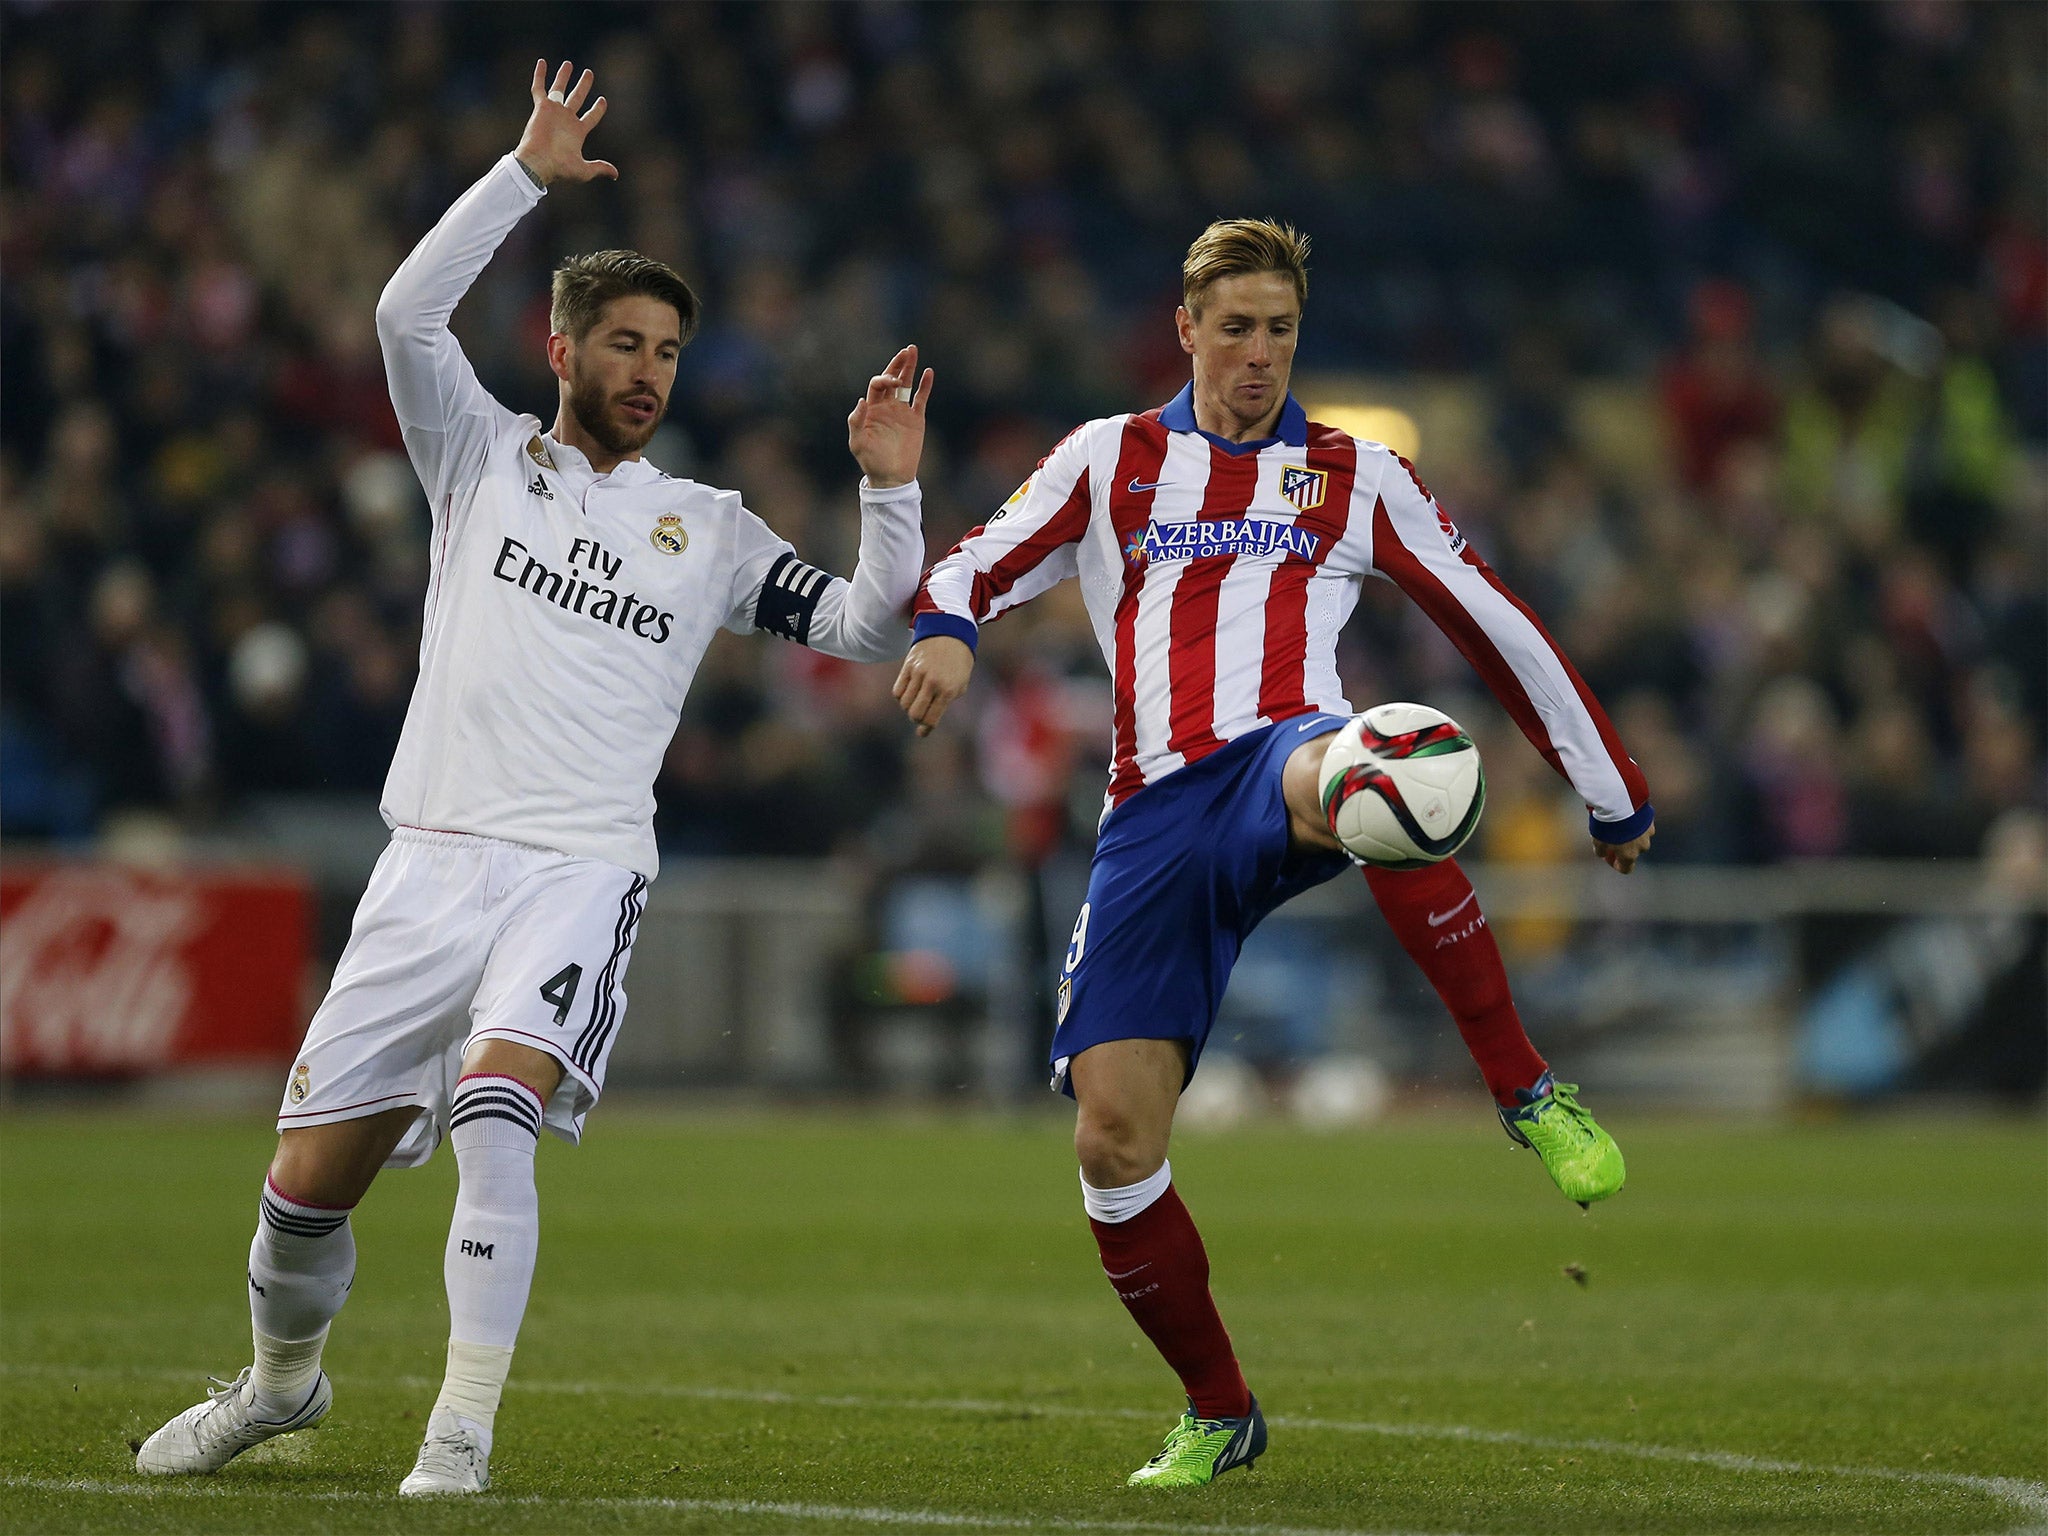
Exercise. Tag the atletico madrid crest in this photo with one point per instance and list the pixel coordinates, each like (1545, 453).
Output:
(1306, 488)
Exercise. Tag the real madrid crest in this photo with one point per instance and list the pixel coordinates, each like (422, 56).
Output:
(669, 535)
(537, 451)
(302, 1083)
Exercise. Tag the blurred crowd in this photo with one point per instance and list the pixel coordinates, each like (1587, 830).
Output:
(1798, 248)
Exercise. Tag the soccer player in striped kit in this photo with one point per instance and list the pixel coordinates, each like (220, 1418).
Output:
(1220, 541)
(574, 588)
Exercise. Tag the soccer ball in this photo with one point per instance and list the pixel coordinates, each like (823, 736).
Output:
(1402, 786)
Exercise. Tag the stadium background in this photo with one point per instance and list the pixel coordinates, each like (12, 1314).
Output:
(1719, 329)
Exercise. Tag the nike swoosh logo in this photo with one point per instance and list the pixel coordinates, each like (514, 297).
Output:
(1438, 919)
(1136, 488)
(1129, 1272)
(1306, 725)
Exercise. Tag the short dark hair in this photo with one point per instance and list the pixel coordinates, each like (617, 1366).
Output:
(585, 284)
(1238, 247)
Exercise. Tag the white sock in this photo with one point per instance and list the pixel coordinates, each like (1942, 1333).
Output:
(286, 1372)
(494, 1125)
(1127, 1200)
(473, 1384)
(301, 1264)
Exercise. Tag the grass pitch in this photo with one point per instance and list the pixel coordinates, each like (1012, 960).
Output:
(844, 1324)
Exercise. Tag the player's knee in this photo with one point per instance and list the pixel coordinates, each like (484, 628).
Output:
(1114, 1148)
(303, 1173)
(507, 1058)
(335, 1164)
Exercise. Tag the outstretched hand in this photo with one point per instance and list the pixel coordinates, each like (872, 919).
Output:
(552, 145)
(886, 429)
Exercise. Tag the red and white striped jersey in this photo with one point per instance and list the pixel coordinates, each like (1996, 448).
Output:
(1218, 575)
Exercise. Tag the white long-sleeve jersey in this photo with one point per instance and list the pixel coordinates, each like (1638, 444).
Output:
(1218, 576)
(567, 611)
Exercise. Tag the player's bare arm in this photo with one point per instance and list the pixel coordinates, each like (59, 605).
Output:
(551, 148)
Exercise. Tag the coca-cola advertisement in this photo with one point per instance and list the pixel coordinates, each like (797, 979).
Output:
(107, 970)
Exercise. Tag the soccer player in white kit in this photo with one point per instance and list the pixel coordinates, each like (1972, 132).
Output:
(574, 588)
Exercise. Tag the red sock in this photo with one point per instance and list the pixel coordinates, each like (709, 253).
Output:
(1161, 1273)
(1436, 916)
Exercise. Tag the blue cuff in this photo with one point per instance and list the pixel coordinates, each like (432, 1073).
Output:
(1626, 830)
(929, 624)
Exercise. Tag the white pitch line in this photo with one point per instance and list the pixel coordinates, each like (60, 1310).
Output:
(859, 1514)
(2029, 1497)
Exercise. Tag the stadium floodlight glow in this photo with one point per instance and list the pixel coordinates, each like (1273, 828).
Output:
(1374, 423)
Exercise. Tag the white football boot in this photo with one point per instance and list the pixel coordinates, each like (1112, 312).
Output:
(209, 1435)
(453, 1460)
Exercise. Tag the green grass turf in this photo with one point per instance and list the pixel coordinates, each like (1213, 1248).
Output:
(713, 1289)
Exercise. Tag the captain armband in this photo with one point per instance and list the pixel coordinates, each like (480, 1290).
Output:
(789, 597)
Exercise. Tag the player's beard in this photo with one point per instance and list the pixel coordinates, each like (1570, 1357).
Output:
(592, 408)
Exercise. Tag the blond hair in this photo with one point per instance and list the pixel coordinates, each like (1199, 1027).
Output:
(1237, 247)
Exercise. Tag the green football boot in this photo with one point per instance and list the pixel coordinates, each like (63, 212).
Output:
(1199, 1451)
(1582, 1159)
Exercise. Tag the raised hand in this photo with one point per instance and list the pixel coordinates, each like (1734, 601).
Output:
(552, 145)
(886, 429)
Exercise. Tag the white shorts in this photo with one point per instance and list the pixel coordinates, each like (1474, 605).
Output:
(459, 939)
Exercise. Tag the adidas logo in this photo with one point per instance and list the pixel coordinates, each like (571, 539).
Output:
(540, 488)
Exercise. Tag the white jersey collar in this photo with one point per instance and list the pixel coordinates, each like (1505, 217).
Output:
(625, 472)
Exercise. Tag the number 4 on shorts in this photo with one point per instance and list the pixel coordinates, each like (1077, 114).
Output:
(560, 989)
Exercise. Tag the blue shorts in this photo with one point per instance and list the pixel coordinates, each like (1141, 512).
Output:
(1184, 871)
